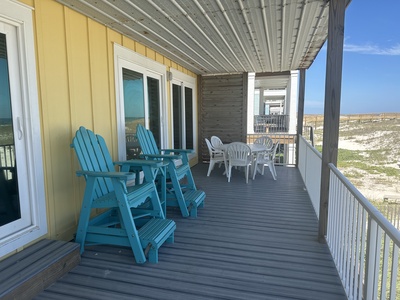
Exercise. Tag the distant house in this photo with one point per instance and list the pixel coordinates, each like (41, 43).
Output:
(272, 103)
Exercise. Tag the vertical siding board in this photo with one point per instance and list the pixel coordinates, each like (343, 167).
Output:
(112, 37)
(52, 69)
(150, 53)
(128, 43)
(100, 88)
(140, 48)
(78, 69)
(80, 102)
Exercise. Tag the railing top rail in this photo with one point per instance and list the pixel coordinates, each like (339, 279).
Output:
(371, 209)
(311, 147)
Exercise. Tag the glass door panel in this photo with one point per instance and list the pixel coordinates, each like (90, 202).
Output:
(153, 90)
(189, 118)
(9, 196)
(176, 115)
(134, 109)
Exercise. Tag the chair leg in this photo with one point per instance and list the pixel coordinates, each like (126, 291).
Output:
(210, 167)
(255, 171)
(271, 168)
(247, 174)
(229, 173)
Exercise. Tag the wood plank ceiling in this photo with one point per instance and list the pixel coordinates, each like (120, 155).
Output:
(220, 36)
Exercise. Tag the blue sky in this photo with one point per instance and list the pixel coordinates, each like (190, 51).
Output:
(371, 61)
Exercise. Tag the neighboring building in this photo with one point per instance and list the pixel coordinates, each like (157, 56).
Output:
(272, 102)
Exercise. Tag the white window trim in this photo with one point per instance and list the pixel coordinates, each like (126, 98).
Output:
(180, 79)
(20, 15)
(123, 57)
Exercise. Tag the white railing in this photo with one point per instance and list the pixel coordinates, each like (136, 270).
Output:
(363, 243)
(309, 164)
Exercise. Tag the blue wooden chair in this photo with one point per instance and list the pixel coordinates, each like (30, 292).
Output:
(181, 189)
(132, 214)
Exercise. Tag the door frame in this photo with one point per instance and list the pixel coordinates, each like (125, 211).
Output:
(126, 58)
(20, 16)
(183, 80)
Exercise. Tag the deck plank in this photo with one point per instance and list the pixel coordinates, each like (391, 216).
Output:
(254, 241)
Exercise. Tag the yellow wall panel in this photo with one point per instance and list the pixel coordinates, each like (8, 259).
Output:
(150, 54)
(140, 48)
(54, 86)
(167, 62)
(128, 43)
(159, 58)
(99, 78)
(112, 37)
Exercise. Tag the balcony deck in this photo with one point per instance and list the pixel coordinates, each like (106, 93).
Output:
(254, 241)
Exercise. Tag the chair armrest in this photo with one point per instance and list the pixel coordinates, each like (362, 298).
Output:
(178, 150)
(140, 163)
(121, 175)
(166, 156)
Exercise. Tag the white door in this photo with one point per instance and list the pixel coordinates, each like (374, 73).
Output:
(22, 203)
(14, 200)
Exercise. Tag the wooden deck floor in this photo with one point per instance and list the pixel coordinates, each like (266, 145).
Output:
(254, 241)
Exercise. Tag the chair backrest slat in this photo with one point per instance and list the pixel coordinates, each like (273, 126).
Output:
(146, 140)
(93, 155)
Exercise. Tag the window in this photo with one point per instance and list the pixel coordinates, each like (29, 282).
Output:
(183, 110)
(140, 99)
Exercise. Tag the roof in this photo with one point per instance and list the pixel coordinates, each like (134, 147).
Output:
(220, 36)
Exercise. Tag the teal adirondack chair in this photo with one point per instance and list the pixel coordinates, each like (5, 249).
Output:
(133, 215)
(181, 189)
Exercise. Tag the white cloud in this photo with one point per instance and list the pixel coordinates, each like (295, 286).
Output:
(372, 49)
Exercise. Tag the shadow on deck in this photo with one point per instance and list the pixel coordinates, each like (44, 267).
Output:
(254, 241)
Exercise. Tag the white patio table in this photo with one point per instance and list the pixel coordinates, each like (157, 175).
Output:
(255, 148)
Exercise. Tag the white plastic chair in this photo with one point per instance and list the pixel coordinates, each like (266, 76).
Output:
(216, 142)
(216, 156)
(239, 155)
(266, 158)
(266, 141)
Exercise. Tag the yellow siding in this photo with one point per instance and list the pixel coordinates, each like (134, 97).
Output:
(75, 65)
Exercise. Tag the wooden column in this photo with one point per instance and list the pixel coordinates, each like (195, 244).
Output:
(332, 105)
(300, 110)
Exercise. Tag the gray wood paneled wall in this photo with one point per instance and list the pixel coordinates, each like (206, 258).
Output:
(223, 109)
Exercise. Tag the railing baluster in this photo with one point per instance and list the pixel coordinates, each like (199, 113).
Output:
(370, 258)
(385, 264)
(363, 255)
(394, 272)
(353, 242)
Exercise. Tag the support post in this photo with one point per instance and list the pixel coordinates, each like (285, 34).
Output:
(300, 111)
(332, 105)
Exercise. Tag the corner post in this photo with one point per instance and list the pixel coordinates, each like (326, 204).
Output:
(332, 106)
(300, 111)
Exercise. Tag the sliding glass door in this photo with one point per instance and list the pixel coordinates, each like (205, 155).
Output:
(183, 111)
(141, 97)
(140, 92)
(22, 200)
